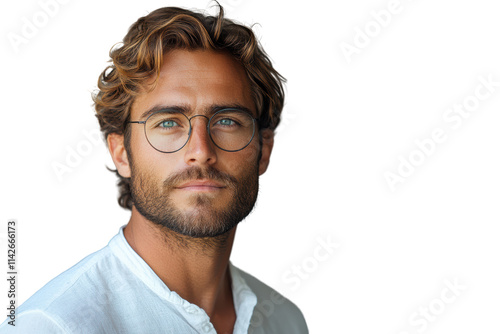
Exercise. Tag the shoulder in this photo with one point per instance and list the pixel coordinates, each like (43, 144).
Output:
(53, 308)
(34, 321)
(273, 312)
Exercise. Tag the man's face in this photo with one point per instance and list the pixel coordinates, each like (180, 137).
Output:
(200, 190)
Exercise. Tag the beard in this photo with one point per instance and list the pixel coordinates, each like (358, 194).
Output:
(152, 199)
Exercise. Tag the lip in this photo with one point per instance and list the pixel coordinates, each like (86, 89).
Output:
(201, 185)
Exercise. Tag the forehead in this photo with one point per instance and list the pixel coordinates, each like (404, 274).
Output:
(197, 81)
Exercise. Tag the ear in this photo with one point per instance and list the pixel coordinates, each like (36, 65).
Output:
(267, 147)
(118, 153)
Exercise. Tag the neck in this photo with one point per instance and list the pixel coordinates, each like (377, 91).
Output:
(195, 268)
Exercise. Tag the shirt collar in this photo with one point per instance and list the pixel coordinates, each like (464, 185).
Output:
(243, 297)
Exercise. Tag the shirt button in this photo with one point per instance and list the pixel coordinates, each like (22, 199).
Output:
(191, 309)
(207, 327)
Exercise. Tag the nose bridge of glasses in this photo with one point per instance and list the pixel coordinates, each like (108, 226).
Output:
(191, 123)
(206, 126)
(208, 119)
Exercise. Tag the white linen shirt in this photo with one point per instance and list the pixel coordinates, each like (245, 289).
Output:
(114, 291)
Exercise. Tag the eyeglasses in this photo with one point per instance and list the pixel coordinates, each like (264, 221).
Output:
(168, 130)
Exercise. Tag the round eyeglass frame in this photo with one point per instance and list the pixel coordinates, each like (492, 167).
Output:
(254, 120)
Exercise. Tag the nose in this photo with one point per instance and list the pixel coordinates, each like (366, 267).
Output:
(200, 150)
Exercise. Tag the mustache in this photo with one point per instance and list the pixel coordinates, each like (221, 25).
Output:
(197, 173)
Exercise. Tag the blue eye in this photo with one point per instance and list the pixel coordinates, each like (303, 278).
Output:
(226, 122)
(168, 124)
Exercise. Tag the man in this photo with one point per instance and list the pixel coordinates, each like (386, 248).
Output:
(188, 109)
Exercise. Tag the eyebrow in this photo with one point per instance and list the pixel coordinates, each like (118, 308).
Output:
(186, 109)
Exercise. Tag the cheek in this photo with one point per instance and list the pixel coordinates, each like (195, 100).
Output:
(242, 162)
(147, 159)
(138, 141)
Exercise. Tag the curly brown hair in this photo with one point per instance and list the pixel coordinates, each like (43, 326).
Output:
(140, 57)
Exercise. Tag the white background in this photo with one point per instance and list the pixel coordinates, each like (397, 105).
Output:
(345, 124)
